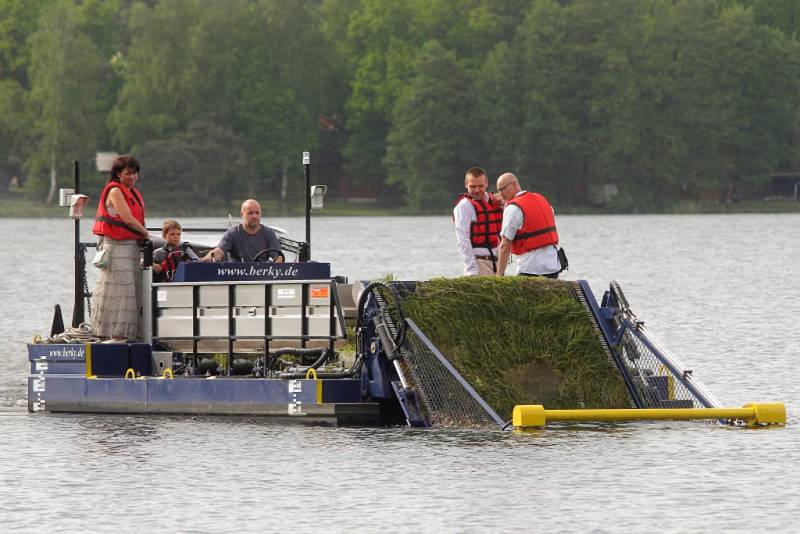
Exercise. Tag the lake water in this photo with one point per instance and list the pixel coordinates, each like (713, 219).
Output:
(720, 292)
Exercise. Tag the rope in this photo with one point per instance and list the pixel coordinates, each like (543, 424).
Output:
(85, 287)
(80, 335)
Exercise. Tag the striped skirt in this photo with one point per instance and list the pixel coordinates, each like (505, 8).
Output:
(115, 302)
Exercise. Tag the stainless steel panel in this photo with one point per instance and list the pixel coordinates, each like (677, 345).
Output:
(289, 325)
(276, 311)
(250, 295)
(174, 326)
(287, 294)
(318, 311)
(319, 294)
(212, 312)
(213, 326)
(161, 360)
(321, 326)
(175, 312)
(213, 295)
(250, 326)
(249, 320)
(174, 297)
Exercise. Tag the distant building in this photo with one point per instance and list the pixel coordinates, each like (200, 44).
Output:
(785, 184)
(104, 160)
(602, 194)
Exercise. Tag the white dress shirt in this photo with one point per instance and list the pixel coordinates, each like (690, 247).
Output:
(543, 260)
(463, 216)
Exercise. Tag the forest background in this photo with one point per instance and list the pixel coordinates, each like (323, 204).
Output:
(619, 105)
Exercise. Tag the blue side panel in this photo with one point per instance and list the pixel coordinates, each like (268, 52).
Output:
(116, 395)
(58, 368)
(226, 395)
(51, 353)
(341, 390)
(66, 393)
(223, 396)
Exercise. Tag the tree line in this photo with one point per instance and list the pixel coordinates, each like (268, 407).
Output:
(661, 98)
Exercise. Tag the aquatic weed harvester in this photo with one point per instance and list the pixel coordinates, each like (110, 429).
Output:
(290, 340)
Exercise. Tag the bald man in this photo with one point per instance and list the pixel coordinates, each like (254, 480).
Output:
(529, 231)
(245, 241)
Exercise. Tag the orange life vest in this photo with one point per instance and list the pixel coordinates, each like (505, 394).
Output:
(538, 224)
(484, 231)
(113, 226)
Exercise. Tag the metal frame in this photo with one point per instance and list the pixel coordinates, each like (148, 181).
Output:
(609, 337)
(461, 380)
(267, 338)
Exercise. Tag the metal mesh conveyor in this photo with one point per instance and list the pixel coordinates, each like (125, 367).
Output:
(653, 376)
(446, 398)
(659, 379)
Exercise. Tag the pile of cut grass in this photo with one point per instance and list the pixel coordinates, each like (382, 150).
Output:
(519, 341)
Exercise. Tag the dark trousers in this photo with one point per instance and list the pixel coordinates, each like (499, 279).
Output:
(549, 275)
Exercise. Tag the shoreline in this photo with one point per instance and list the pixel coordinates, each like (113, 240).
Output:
(14, 206)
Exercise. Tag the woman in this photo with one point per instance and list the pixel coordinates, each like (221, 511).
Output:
(120, 220)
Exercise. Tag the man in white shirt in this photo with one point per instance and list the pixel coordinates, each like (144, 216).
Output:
(529, 231)
(478, 216)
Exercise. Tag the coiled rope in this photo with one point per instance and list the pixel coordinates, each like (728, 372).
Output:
(82, 334)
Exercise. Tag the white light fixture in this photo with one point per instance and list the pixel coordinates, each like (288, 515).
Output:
(317, 194)
(76, 204)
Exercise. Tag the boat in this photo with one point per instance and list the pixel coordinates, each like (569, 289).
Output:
(270, 339)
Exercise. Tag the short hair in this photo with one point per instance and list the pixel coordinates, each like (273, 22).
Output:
(123, 162)
(168, 225)
(250, 201)
(475, 172)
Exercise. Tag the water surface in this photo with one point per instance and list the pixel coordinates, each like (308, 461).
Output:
(718, 290)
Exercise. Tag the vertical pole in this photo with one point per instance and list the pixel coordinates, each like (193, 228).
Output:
(307, 165)
(80, 260)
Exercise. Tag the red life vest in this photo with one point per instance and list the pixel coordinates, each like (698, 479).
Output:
(538, 224)
(484, 231)
(113, 226)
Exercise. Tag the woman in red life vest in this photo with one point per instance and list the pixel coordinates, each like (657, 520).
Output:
(120, 222)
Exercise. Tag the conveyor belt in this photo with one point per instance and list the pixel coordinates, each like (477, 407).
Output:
(446, 398)
(652, 375)
(583, 295)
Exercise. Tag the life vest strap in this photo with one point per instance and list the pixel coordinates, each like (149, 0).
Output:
(527, 235)
(114, 222)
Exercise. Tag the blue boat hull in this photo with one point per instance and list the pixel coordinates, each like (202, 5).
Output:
(59, 383)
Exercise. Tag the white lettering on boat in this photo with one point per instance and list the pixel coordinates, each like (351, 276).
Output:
(66, 353)
(269, 271)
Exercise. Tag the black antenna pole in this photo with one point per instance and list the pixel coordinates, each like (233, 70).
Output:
(80, 263)
(307, 165)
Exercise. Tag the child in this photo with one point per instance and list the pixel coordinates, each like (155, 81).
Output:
(167, 258)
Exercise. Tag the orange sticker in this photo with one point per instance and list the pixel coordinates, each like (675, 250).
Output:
(319, 292)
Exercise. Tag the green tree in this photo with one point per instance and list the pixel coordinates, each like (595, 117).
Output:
(258, 68)
(12, 129)
(18, 20)
(278, 96)
(66, 75)
(157, 83)
(428, 146)
(203, 164)
(380, 35)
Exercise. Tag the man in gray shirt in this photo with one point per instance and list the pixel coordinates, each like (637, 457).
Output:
(245, 241)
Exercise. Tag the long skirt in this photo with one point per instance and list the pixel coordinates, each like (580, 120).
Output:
(116, 301)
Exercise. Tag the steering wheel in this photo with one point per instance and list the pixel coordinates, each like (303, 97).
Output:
(268, 251)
